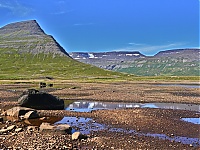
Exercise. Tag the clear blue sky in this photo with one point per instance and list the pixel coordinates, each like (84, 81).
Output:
(147, 26)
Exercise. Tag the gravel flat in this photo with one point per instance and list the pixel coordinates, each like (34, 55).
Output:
(137, 128)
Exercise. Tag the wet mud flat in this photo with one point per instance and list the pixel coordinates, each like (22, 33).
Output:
(138, 128)
(127, 128)
(163, 125)
(178, 92)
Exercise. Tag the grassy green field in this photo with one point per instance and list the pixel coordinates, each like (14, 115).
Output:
(27, 55)
(29, 66)
(22, 66)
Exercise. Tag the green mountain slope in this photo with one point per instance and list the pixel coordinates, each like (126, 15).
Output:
(177, 62)
(26, 52)
(30, 66)
(184, 62)
(160, 67)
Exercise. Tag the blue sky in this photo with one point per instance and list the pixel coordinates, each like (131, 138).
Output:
(147, 26)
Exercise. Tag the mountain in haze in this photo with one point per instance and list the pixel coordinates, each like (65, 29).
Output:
(27, 52)
(177, 62)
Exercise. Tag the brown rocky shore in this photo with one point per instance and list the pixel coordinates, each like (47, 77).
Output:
(135, 128)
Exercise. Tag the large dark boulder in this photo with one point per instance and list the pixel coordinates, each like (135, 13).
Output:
(40, 100)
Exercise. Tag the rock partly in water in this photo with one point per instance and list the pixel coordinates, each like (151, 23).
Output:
(46, 126)
(40, 100)
(65, 128)
(62, 129)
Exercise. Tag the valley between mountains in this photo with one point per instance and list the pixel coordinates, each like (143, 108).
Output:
(87, 83)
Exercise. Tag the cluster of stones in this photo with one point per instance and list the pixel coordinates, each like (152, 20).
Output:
(22, 113)
(18, 126)
(18, 136)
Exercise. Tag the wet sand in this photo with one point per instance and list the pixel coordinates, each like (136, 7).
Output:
(142, 121)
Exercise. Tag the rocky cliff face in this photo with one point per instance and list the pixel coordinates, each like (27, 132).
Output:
(21, 29)
(28, 37)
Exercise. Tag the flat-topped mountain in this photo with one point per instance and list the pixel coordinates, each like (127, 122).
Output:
(107, 55)
(106, 60)
(181, 62)
(189, 53)
(27, 36)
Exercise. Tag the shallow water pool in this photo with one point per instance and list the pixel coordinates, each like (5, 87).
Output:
(88, 125)
(181, 85)
(87, 106)
(192, 120)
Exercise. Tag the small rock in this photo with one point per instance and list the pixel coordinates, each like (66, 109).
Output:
(21, 117)
(64, 127)
(43, 118)
(31, 115)
(46, 126)
(10, 128)
(78, 135)
(3, 113)
(1, 119)
(32, 128)
(3, 130)
(18, 130)
(18, 111)
(8, 121)
(13, 134)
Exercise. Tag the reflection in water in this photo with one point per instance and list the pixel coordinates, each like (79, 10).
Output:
(180, 85)
(192, 120)
(87, 125)
(184, 140)
(87, 106)
(39, 121)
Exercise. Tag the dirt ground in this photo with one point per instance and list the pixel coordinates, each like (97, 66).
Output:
(143, 121)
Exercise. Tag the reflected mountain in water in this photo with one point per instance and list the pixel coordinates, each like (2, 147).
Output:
(180, 85)
(87, 106)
